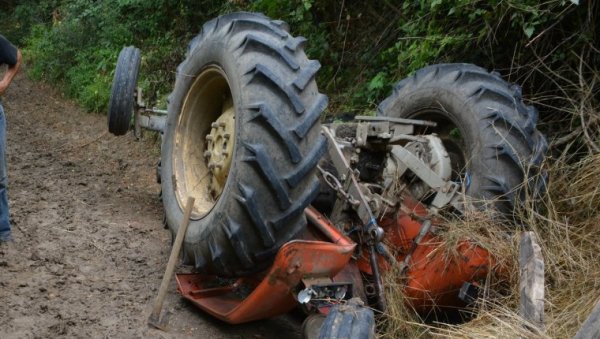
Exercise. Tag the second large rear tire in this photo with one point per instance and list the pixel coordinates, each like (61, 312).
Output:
(490, 134)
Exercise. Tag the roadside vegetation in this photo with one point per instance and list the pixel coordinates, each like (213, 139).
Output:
(550, 48)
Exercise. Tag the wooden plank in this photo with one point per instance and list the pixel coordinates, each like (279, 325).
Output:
(591, 327)
(531, 286)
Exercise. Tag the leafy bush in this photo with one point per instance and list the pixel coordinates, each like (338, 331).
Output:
(76, 46)
(550, 48)
(364, 47)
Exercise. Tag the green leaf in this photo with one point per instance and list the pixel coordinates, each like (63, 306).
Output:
(307, 4)
(377, 82)
(435, 3)
(455, 134)
(528, 30)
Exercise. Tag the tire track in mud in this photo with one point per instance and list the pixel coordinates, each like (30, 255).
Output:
(90, 249)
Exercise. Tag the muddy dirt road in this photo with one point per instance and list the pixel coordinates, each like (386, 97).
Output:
(90, 249)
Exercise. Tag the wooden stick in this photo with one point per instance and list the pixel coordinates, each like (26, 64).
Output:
(591, 327)
(154, 319)
(531, 264)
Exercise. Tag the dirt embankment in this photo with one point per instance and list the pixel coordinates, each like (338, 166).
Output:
(90, 248)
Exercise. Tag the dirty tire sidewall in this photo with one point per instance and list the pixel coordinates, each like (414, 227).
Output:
(503, 147)
(277, 144)
(122, 100)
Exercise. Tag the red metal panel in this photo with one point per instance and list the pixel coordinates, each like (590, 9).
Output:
(274, 294)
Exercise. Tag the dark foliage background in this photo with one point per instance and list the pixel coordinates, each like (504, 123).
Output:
(550, 48)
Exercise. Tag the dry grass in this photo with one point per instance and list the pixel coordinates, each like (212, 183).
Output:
(567, 228)
(566, 221)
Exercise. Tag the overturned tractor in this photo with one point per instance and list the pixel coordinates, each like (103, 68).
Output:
(293, 211)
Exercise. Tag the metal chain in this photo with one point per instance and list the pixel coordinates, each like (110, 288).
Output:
(335, 185)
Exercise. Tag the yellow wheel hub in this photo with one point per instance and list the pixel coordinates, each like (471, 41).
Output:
(219, 148)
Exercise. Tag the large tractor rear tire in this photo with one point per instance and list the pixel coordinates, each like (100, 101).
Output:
(243, 138)
(489, 133)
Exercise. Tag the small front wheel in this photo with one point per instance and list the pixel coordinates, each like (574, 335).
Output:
(122, 95)
(349, 321)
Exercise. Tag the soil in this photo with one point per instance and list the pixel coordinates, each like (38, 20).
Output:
(90, 247)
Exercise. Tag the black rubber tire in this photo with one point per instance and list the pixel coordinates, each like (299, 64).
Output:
(121, 104)
(277, 145)
(311, 326)
(499, 139)
(349, 321)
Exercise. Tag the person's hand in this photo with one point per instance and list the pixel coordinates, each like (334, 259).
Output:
(3, 86)
(10, 74)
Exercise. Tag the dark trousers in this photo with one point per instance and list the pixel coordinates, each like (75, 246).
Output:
(4, 214)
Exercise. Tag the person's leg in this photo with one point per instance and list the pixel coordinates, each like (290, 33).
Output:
(5, 234)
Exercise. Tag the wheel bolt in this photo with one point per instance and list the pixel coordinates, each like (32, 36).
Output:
(209, 137)
(222, 124)
(207, 154)
(226, 136)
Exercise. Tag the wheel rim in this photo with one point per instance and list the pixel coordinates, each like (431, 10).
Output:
(452, 138)
(204, 141)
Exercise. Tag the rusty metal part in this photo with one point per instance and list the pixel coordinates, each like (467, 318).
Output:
(379, 290)
(274, 294)
(417, 251)
(378, 130)
(350, 182)
(435, 272)
(219, 148)
(336, 186)
(396, 120)
(329, 230)
(371, 230)
(352, 274)
(445, 189)
(325, 290)
(430, 151)
(377, 202)
(425, 227)
(150, 122)
(152, 119)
